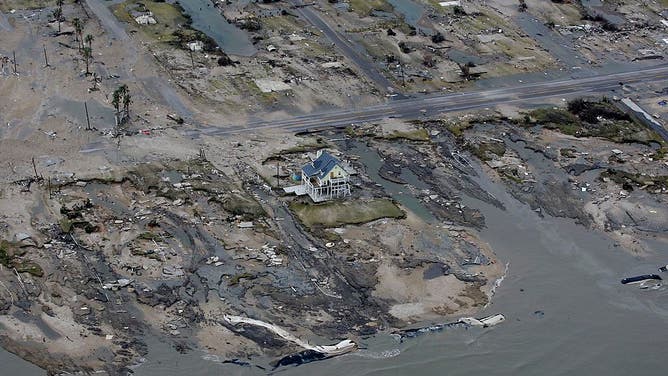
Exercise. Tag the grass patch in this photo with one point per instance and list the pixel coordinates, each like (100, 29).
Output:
(172, 27)
(457, 129)
(29, 267)
(168, 16)
(309, 145)
(281, 23)
(629, 181)
(568, 152)
(365, 7)
(415, 135)
(235, 279)
(147, 235)
(339, 213)
(7, 252)
(584, 118)
(485, 150)
(8, 258)
(556, 118)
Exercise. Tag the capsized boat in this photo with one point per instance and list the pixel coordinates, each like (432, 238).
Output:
(640, 278)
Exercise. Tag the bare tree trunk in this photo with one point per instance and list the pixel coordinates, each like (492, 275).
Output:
(46, 59)
(87, 117)
(34, 167)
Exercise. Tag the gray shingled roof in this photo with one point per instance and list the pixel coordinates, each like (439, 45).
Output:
(321, 166)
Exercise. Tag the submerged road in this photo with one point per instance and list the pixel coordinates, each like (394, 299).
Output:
(413, 108)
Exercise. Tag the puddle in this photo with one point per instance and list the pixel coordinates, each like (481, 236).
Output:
(173, 176)
(101, 117)
(106, 201)
(210, 21)
(462, 58)
(384, 15)
(412, 13)
(549, 40)
(597, 8)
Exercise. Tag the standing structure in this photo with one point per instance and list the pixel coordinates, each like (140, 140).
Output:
(324, 178)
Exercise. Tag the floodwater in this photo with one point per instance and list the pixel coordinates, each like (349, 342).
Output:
(548, 39)
(566, 312)
(597, 7)
(101, 117)
(13, 365)
(210, 21)
(399, 192)
(412, 13)
(4, 23)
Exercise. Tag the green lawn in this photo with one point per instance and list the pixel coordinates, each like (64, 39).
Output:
(343, 212)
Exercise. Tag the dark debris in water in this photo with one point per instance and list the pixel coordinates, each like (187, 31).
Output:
(237, 362)
(306, 356)
(412, 333)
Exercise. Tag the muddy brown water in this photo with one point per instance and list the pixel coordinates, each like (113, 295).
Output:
(566, 311)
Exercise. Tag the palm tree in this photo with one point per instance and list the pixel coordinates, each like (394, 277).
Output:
(60, 12)
(78, 29)
(88, 56)
(121, 96)
(116, 99)
(58, 15)
(89, 40)
(127, 100)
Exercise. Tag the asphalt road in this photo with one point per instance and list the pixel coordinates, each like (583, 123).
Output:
(400, 106)
(424, 106)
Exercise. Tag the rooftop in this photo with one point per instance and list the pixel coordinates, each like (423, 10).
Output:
(321, 166)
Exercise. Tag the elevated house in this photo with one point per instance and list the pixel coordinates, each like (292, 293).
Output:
(325, 178)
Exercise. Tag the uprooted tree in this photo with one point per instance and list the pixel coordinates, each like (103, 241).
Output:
(465, 71)
(89, 39)
(58, 15)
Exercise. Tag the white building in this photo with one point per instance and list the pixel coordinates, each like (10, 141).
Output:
(324, 178)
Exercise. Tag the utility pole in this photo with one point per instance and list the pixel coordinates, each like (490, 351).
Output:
(34, 167)
(46, 60)
(278, 182)
(87, 117)
(15, 70)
